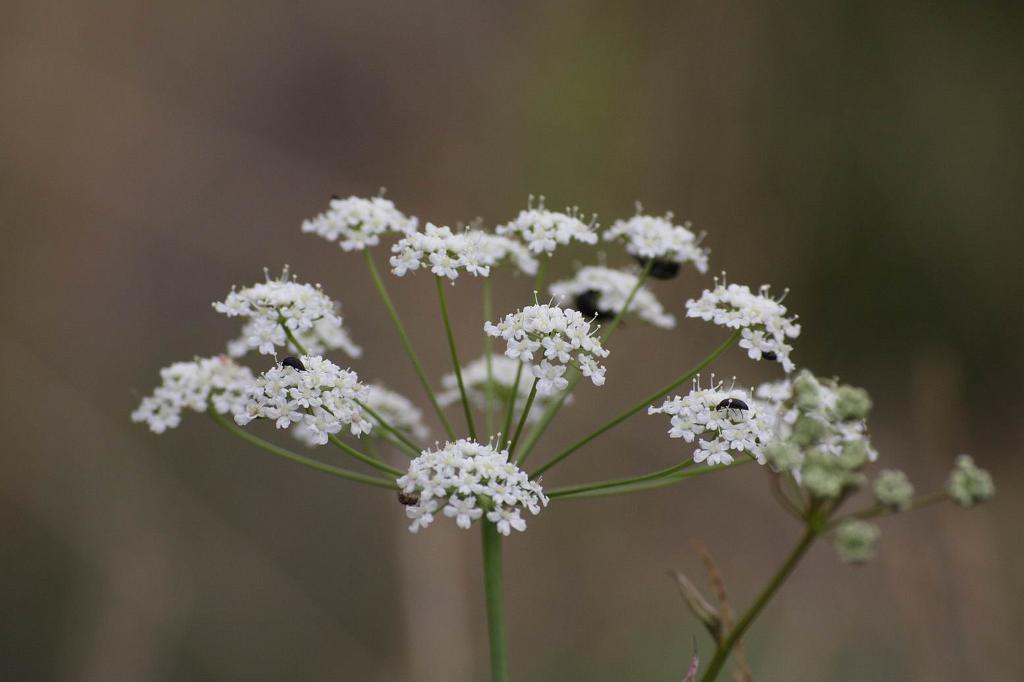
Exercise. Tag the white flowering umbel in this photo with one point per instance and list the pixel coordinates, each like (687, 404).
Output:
(356, 223)
(443, 251)
(562, 336)
(657, 238)
(267, 307)
(543, 231)
(600, 292)
(494, 250)
(722, 421)
(467, 480)
(198, 385)
(503, 373)
(762, 318)
(394, 408)
(321, 395)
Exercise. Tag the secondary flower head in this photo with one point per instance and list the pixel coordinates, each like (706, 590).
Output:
(762, 318)
(269, 306)
(310, 390)
(356, 223)
(600, 292)
(543, 230)
(466, 480)
(819, 432)
(657, 238)
(198, 385)
(494, 250)
(721, 420)
(968, 485)
(562, 335)
(397, 410)
(443, 251)
(855, 541)
(893, 490)
(503, 372)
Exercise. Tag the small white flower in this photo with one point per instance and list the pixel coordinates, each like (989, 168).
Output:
(357, 223)
(720, 420)
(600, 292)
(562, 336)
(306, 310)
(470, 479)
(543, 230)
(322, 396)
(199, 385)
(762, 319)
(503, 373)
(657, 237)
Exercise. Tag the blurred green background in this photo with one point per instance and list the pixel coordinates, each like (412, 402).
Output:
(867, 155)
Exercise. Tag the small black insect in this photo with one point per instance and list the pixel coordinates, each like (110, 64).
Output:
(335, 197)
(408, 499)
(732, 404)
(662, 269)
(586, 303)
(293, 362)
(769, 355)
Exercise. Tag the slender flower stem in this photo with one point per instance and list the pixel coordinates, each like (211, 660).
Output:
(233, 428)
(522, 419)
(488, 353)
(512, 403)
(723, 651)
(291, 338)
(455, 356)
(542, 268)
(639, 406)
(873, 512)
(406, 343)
(403, 441)
(364, 458)
(575, 375)
(659, 479)
(495, 598)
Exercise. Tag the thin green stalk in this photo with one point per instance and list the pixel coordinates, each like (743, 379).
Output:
(542, 268)
(233, 428)
(406, 343)
(512, 404)
(495, 598)
(616, 482)
(574, 374)
(455, 356)
(364, 458)
(625, 486)
(291, 338)
(404, 443)
(522, 419)
(723, 651)
(643, 404)
(488, 352)
(873, 512)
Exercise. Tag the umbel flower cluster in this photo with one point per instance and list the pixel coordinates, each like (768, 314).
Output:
(721, 420)
(562, 337)
(809, 431)
(311, 390)
(469, 479)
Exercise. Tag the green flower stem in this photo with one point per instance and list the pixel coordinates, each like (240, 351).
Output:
(365, 459)
(510, 408)
(488, 352)
(455, 356)
(542, 268)
(230, 426)
(643, 404)
(522, 418)
(659, 479)
(403, 442)
(873, 512)
(495, 598)
(406, 343)
(726, 647)
(574, 373)
(291, 338)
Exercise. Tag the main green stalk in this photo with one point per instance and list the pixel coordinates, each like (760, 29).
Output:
(495, 597)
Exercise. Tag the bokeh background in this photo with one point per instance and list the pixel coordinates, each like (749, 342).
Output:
(867, 155)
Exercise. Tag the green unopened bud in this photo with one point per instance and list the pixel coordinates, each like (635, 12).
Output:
(806, 391)
(855, 541)
(782, 455)
(855, 454)
(968, 485)
(893, 490)
(807, 430)
(852, 403)
(824, 476)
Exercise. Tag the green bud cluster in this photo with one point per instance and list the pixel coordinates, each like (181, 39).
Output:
(855, 541)
(968, 485)
(893, 490)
